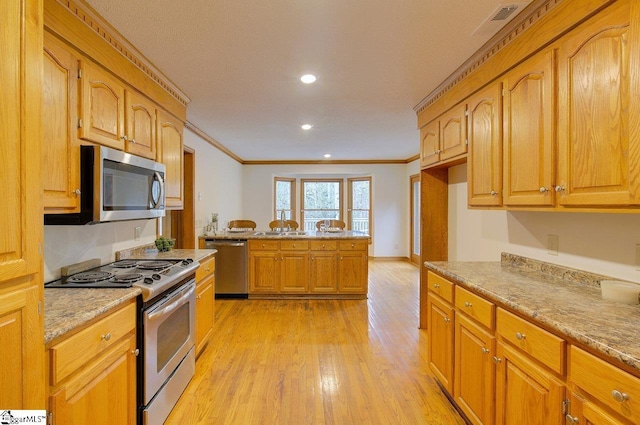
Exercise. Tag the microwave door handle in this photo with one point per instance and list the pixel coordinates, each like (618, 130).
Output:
(158, 178)
(164, 311)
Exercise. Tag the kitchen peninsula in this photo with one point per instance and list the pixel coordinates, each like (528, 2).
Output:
(304, 264)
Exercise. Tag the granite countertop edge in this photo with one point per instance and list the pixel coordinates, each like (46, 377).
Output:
(309, 235)
(571, 307)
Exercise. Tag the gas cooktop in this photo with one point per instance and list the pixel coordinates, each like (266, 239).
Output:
(152, 276)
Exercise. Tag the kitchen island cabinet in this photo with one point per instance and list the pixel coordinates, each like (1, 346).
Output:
(205, 301)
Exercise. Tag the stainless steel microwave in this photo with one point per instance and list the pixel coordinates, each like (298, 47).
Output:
(115, 185)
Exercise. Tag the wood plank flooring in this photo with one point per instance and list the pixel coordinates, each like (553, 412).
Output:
(319, 361)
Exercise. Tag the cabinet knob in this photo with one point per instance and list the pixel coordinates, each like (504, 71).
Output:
(619, 396)
(198, 297)
(322, 245)
(544, 189)
(132, 140)
(485, 350)
(559, 188)
(263, 245)
(436, 285)
(493, 193)
(105, 337)
(467, 304)
(207, 269)
(353, 245)
(294, 245)
(496, 359)
(77, 192)
(136, 352)
(125, 138)
(571, 419)
(520, 336)
(447, 320)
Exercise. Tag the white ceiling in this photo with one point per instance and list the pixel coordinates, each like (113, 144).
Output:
(240, 62)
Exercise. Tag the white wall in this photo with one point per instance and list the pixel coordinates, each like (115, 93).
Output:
(219, 183)
(597, 242)
(390, 198)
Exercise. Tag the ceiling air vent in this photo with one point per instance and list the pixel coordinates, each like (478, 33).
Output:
(499, 17)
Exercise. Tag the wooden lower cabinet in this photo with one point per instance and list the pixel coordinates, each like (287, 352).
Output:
(303, 267)
(475, 379)
(205, 301)
(441, 340)
(92, 374)
(526, 393)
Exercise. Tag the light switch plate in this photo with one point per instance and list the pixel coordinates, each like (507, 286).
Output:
(553, 242)
(136, 233)
(638, 256)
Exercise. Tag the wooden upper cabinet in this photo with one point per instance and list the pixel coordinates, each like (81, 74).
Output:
(453, 132)
(429, 144)
(170, 147)
(598, 157)
(445, 137)
(101, 107)
(60, 148)
(484, 163)
(141, 125)
(528, 125)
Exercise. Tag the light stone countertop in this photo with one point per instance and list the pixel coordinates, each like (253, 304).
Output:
(66, 309)
(564, 300)
(261, 234)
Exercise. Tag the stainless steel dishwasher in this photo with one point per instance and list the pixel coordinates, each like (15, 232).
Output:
(231, 268)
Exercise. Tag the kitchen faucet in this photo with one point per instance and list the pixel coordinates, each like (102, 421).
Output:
(282, 220)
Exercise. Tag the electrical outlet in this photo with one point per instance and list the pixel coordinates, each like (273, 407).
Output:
(136, 233)
(638, 256)
(553, 242)
(199, 196)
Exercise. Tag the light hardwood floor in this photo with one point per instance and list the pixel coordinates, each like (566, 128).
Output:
(319, 361)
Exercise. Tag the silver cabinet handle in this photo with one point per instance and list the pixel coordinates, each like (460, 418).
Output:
(571, 419)
(544, 189)
(125, 138)
(467, 304)
(77, 192)
(447, 320)
(485, 350)
(493, 193)
(619, 396)
(106, 337)
(136, 352)
(132, 140)
(520, 336)
(559, 188)
(496, 359)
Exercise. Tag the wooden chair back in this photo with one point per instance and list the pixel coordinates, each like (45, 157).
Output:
(242, 224)
(336, 224)
(275, 224)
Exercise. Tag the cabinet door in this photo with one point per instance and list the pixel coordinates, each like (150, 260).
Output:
(103, 393)
(101, 107)
(585, 412)
(598, 159)
(324, 272)
(528, 144)
(430, 143)
(264, 271)
(22, 355)
(441, 339)
(60, 148)
(484, 163)
(294, 272)
(20, 138)
(453, 132)
(170, 153)
(474, 367)
(204, 312)
(140, 114)
(352, 273)
(525, 392)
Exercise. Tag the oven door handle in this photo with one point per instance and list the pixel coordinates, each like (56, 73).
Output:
(166, 310)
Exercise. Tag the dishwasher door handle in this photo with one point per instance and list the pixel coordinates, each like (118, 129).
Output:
(227, 244)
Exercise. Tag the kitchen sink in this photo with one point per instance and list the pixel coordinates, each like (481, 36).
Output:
(277, 233)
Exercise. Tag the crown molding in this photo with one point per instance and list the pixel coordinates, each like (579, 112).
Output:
(92, 19)
(533, 13)
(213, 142)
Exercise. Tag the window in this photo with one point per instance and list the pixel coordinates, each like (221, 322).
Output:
(284, 198)
(321, 199)
(359, 207)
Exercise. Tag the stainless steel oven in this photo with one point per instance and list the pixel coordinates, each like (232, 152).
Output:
(169, 351)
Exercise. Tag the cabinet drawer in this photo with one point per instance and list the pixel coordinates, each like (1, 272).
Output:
(263, 245)
(352, 245)
(538, 343)
(294, 245)
(207, 267)
(78, 349)
(440, 286)
(476, 307)
(615, 388)
(323, 245)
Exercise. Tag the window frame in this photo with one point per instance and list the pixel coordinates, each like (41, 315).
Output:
(339, 180)
(350, 208)
(292, 194)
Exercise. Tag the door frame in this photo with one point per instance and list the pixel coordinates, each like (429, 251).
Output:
(183, 221)
(415, 178)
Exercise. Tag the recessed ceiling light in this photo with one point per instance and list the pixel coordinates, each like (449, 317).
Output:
(308, 78)
(306, 126)
(327, 155)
